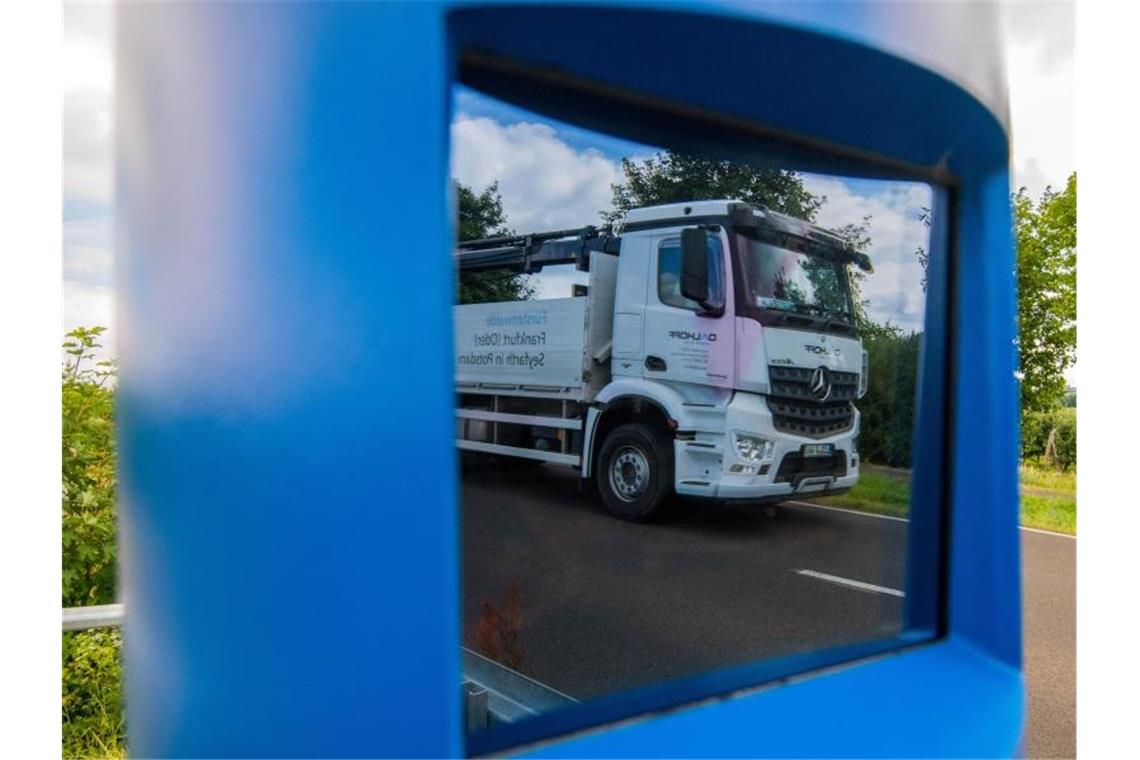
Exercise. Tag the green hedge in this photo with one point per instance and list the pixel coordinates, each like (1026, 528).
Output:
(887, 425)
(888, 409)
(1060, 425)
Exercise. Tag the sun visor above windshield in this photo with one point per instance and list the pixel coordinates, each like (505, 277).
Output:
(747, 215)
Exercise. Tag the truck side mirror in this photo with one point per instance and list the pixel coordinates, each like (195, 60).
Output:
(695, 265)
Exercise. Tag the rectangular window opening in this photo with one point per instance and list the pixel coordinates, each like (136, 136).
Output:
(663, 501)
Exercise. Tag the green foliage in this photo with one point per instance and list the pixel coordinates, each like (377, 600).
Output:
(1050, 437)
(887, 492)
(1047, 292)
(92, 692)
(670, 177)
(94, 724)
(887, 424)
(921, 253)
(481, 215)
(88, 473)
(859, 236)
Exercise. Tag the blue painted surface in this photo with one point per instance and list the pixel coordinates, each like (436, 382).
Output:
(985, 587)
(290, 531)
(288, 494)
(740, 64)
(942, 700)
(923, 607)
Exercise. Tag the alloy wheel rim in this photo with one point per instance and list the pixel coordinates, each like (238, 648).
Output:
(629, 473)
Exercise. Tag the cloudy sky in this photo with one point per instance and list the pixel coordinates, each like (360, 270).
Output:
(88, 80)
(552, 175)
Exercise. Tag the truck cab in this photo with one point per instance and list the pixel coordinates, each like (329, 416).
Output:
(720, 359)
(761, 385)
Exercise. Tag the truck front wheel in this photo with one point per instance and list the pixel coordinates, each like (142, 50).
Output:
(635, 472)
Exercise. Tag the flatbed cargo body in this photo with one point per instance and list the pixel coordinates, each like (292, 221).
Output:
(524, 345)
(549, 348)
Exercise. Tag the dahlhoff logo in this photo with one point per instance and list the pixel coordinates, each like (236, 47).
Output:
(697, 336)
(811, 347)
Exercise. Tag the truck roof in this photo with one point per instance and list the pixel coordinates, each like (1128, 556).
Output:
(681, 210)
(746, 213)
(732, 208)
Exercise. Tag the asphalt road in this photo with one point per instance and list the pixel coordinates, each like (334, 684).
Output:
(1049, 613)
(607, 605)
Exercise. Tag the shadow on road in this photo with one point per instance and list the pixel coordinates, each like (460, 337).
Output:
(608, 605)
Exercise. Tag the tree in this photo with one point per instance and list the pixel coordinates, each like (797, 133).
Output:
(88, 473)
(1047, 292)
(674, 178)
(481, 215)
(921, 253)
(93, 721)
(859, 236)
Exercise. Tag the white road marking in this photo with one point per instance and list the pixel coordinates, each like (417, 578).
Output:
(848, 511)
(1051, 533)
(852, 584)
(906, 519)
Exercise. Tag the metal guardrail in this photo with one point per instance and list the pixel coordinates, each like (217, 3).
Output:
(95, 616)
(493, 693)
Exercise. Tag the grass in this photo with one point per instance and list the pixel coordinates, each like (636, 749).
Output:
(1048, 497)
(1049, 513)
(1048, 479)
(875, 492)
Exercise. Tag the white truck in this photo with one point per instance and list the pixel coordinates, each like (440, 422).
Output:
(713, 353)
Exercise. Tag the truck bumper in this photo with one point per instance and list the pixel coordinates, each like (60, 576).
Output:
(707, 465)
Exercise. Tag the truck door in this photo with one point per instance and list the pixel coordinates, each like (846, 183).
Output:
(681, 344)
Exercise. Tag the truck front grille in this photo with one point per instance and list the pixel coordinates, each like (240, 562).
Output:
(797, 412)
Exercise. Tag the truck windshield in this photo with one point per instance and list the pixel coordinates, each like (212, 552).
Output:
(784, 273)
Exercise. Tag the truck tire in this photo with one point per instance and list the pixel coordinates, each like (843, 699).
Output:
(635, 472)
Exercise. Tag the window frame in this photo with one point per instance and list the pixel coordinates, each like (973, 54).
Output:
(924, 619)
(714, 256)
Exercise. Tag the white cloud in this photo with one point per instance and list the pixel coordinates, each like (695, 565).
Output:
(87, 305)
(895, 287)
(87, 251)
(88, 91)
(1040, 62)
(545, 183)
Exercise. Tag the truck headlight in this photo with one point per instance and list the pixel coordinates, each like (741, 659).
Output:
(752, 448)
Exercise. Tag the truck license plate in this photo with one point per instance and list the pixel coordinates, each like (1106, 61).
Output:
(818, 449)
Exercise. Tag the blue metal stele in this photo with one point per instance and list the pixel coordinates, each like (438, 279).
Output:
(288, 483)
